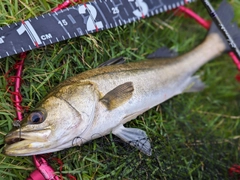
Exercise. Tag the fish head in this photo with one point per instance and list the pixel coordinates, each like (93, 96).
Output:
(50, 127)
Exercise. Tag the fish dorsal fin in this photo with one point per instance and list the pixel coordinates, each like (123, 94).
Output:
(118, 60)
(118, 95)
(163, 52)
(135, 137)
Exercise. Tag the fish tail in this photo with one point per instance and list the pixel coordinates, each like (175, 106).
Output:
(225, 13)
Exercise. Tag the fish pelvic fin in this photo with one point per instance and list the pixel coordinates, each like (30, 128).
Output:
(135, 137)
(118, 95)
(226, 14)
(195, 85)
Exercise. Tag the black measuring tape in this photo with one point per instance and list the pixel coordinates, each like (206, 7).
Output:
(76, 21)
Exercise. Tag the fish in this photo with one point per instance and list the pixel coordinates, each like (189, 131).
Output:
(100, 101)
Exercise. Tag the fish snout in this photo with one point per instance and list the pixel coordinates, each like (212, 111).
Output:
(13, 137)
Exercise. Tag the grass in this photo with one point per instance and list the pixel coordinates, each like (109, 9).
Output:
(194, 136)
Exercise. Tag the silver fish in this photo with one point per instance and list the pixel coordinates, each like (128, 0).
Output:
(100, 101)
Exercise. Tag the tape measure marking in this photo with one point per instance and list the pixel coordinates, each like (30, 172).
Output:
(76, 21)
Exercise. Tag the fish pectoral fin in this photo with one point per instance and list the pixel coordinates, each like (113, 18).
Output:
(163, 52)
(118, 60)
(118, 95)
(195, 85)
(135, 137)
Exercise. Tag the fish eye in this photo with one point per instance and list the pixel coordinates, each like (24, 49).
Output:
(36, 117)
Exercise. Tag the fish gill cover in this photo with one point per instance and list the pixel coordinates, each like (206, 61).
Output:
(193, 136)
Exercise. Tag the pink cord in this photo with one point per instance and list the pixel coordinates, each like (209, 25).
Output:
(235, 59)
(43, 170)
(64, 5)
(190, 13)
(18, 97)
(15, 81)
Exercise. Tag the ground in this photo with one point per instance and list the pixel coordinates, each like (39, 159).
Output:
(194, 135)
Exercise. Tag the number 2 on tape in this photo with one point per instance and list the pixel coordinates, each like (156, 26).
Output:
(91, 24)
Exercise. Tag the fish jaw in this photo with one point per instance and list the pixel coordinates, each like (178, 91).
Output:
(26, 143)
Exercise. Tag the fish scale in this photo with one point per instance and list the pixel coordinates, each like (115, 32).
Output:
(77, 21)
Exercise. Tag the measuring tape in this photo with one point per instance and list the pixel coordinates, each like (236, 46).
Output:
(76, 21)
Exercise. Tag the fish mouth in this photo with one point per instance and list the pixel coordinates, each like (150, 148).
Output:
(25, 142)
(10, 141)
